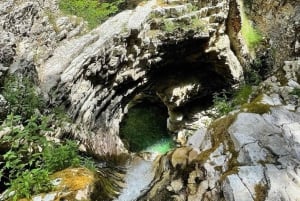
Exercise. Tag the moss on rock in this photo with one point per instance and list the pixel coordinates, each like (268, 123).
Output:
(261, 192)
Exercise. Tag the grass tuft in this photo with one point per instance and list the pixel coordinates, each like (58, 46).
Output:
(251, 35)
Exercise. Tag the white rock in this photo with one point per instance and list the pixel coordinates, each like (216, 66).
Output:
(235, 190)
(252, 176)
(280, 116)
(282, 185)
(252, 154)
(292, 135)
(272, 100)
(196, 139)
(293, 84)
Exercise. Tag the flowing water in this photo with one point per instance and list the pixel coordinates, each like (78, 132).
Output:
(137, 179)
(140, 171)
(144, 129)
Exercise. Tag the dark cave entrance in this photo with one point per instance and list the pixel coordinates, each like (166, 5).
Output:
(183, 65)
(144, 127)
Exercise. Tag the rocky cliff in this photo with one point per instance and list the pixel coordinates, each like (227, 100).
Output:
(178, 54)
(97, 74)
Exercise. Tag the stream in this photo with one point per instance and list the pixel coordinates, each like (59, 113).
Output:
(139, 176)
(140, 171)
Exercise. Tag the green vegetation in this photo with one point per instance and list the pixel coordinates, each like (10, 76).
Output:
(197, 24)
(143, 126)
(169, 26)
(296, 92)
(256, 106)
(93, 11)
(22, 96)
(220, 135)
(29, 158)
(242, 94)
(222, 103)
(248, 4)
(58, 157)
(226, 102)
(251, 35)
(31, 182)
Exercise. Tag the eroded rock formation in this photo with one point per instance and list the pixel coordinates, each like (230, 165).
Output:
(181, 55)
(100, 72)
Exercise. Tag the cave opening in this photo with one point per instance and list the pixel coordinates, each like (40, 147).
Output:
(178, 87)
(144, 127)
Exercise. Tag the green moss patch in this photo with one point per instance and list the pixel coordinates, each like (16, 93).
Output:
(261, 192)
(256, 106)
(220, 135)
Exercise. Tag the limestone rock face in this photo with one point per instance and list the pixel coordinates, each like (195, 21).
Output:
(30, 30)
(101, 71)
(244, 156)
(95, 74)
(279, 21)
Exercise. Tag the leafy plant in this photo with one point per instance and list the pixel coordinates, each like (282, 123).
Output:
(58, 157)
(25, 144)
(93, 11)
(29, 158)
(222, 103)
(30, 182)
(21, 95)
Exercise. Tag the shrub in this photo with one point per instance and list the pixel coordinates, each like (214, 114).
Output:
(28, 157)
(21, 95)
(58, 157)
(30, 182)
(32, 157)
(93, 11)
(222, 103)
(25, 144)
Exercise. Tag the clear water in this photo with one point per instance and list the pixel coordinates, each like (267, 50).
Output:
(162, 146)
